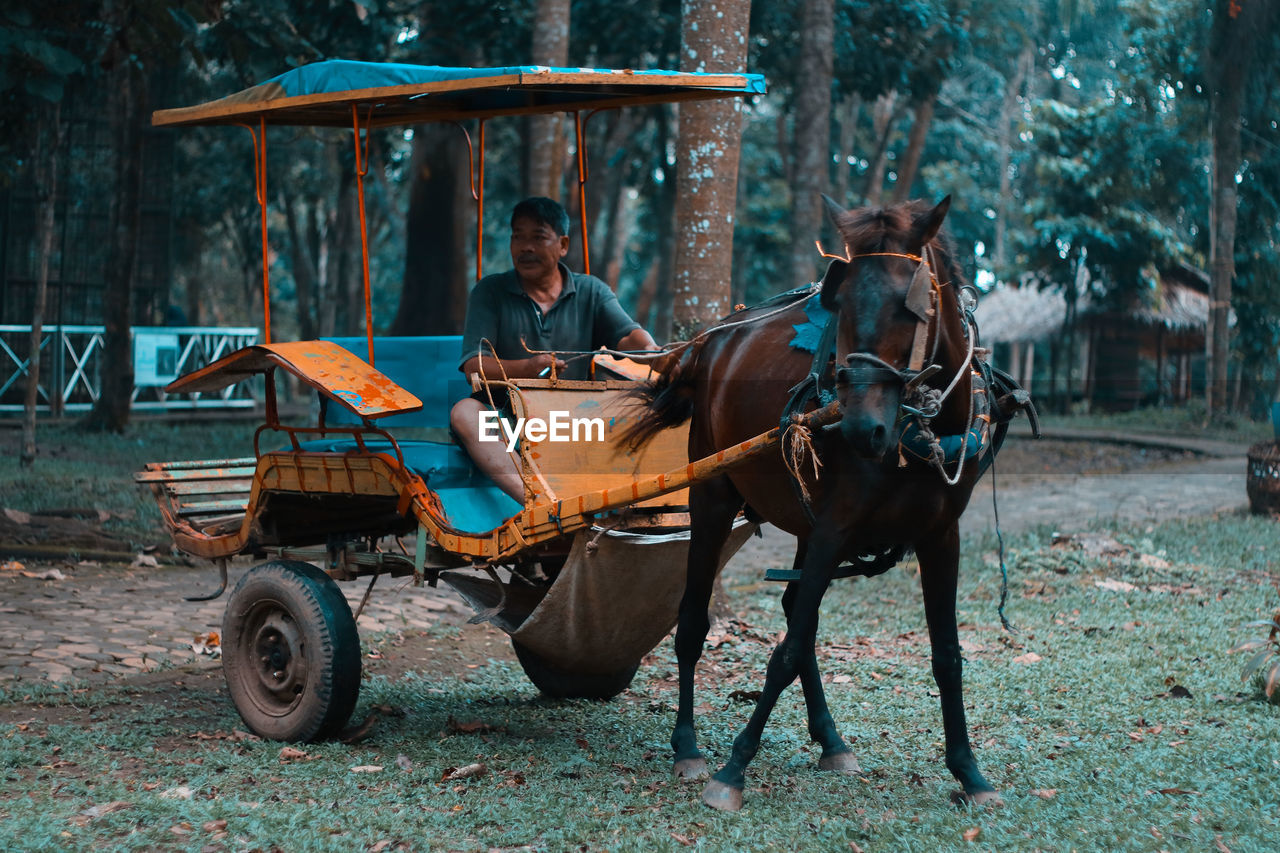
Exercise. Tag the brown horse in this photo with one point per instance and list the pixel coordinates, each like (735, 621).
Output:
(887, 481)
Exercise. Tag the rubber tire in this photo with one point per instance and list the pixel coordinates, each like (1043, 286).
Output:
(561, 684)
(296, 614)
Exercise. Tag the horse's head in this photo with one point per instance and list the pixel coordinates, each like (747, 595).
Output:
(885, 297)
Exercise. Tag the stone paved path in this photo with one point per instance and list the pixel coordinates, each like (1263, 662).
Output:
(106, 621)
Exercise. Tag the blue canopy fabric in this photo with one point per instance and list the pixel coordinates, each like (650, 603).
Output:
(323, 93)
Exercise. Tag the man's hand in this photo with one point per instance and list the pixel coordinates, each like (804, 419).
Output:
(513, 368)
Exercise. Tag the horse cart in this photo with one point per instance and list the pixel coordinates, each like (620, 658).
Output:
(585, 574)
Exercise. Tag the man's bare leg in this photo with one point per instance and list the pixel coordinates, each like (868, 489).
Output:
(491, 457)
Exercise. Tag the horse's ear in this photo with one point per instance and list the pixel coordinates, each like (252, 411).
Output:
(831, 283)
(834, 211)
(929, 224)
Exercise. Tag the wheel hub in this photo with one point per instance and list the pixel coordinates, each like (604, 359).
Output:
(279, 661)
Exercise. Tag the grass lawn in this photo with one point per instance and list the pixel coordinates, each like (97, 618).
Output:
(1186, 420)
(1113, 720)
(75, 469)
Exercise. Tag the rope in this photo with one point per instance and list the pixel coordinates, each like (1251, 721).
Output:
(797, 442)
(1004, 571)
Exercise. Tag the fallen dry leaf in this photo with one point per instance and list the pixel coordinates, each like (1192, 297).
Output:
(367, 768)
(1045, 793)
(971, 834)
(290, 753)
(214, 825)
(470, 727)
(1180, 791)
(46, 575)
(1029, 657)
(468, 771)
(1114, 585)
(18, 516)
(182, 792)
(207, 644)
(1222, 848)
(181, 829)
(682, 839)
(105, 809)
(11, 565)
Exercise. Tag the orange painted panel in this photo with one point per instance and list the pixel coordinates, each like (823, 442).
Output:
(333, 371)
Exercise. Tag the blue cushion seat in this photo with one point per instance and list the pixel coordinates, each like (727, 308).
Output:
(428, 368)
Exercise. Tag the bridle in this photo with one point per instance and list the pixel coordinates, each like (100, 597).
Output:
(924, 298)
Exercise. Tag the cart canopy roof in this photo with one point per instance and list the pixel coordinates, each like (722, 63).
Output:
(322, 93)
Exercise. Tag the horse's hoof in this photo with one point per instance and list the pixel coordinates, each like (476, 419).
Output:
(687, 769)
(840, 762)
(722, 797)
(977, 798)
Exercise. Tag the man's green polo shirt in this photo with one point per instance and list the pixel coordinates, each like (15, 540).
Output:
(586, 316)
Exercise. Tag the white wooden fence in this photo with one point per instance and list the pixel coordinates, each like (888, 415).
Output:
(71, 367)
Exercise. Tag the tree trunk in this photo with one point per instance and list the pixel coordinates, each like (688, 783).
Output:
(49, 137)
(714, 38)
(664, 213)
(304, 271)
(850, 106)
(111, 411)
(811, 140)
(1238, 26)
(884, 118)
(1004, 133)
(915, 144)
(546, 133)
(437, 268)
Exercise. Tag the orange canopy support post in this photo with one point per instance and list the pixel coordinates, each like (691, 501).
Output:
(362, 169)
(477, 191)
(260, 188)
(582, 193)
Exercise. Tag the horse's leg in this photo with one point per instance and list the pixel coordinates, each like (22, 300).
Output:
(836, 754)
(724, 791)
(712, 507)
(939, 571)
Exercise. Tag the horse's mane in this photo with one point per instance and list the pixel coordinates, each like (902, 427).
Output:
(868, 229)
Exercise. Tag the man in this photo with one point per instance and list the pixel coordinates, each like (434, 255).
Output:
(539, 305)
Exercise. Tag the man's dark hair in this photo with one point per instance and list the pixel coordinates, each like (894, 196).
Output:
(544, 210)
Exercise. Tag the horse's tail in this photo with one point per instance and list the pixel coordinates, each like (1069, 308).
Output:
(667, 400)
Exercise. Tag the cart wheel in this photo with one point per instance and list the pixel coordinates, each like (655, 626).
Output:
(290, 652)
(561, 684)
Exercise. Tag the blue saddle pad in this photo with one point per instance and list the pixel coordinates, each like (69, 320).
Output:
(809, 333)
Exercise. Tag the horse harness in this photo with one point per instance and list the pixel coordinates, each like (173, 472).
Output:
(995, 400)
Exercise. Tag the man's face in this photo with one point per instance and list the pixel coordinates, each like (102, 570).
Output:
(536, 248)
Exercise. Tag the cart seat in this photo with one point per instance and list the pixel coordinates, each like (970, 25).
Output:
(427, 367)
(470, 499)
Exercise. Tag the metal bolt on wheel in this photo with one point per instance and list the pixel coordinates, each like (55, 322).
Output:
(291, 652)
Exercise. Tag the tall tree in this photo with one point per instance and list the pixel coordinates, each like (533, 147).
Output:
(49, 140)
(546, 148)
(714, 38)
(811, 138)
(128, 101)
(1239, 27)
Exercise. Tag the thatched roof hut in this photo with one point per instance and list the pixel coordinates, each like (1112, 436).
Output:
(1165, 330)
